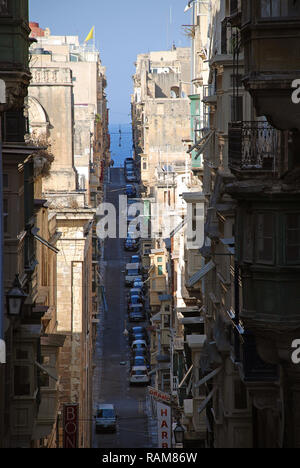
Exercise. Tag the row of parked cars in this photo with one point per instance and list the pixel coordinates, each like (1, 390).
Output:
(138, 335)
(131, 243)
(138, 338)
(106, 417)
(130, 170)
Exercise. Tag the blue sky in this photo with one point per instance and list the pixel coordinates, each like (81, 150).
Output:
(123, 29)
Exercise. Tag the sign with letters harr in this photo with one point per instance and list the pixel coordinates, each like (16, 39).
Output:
(164, 425)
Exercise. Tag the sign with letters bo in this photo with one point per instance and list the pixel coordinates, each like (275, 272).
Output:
(70, 425)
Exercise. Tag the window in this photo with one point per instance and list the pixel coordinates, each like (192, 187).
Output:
(5, 215)
(159, 259)
(5, 180)
(224, 36)
(236, 81)
(3, 8)
(44, 379)
(22, 354)
(21, 380)
(166, 321)
(292, 248)
(265, 227)
(240, 395)
(160, 270)
(236, 108)
(278, 8)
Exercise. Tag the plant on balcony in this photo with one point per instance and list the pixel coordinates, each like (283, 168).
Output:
(42, 156)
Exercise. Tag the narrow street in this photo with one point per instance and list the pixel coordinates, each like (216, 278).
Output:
(111, 376)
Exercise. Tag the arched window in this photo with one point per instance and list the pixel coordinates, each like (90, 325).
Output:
(2, 92)
(175, 92)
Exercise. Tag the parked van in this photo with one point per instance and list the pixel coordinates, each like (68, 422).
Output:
(106, 419)
(133, 272)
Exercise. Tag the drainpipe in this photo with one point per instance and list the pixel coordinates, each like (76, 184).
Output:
(237, 310)
(2, 342)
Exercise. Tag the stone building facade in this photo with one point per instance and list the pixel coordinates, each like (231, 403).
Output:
(79, 142)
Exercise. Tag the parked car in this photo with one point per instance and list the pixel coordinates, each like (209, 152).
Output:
(139, 284)
(140, 353)
(129, 166)
(106, 419)
(141, 349)
(135, 293)
(130, 191)
(136, 314)
(131, 244)
(135, 259)
(139, 375)
(139, 336)
(139, 361)
(134, 217)
(132, 201)
(139, 344)
(139, 330)
(133, 301)
(130, 176)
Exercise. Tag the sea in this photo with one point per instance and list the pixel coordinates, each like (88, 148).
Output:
(121, 143)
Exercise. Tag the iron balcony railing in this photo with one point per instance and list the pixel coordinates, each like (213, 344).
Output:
(209, 90)
(234, 6)
(254, 146)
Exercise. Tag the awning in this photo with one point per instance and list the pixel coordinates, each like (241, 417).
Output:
(200, 274)
(191, 320)
(44, 242)
(205, 143)
(165, 297)
(207, 400)
(179, 227)
(46, 371)
(186, 376)
(207, 377)
(229, 244)
(156, 317)
(200, 142)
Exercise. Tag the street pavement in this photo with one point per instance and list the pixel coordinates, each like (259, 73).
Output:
(135, 427)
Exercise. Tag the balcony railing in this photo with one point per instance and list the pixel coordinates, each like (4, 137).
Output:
(254, 369)
(254, 146)
(234, 6)
(209, 90)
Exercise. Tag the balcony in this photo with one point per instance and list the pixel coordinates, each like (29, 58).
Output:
(235, 12)
(270, 37)
(255, 147)
(209, 94)
(254, 369)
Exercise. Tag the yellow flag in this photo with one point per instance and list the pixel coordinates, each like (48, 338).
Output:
(90, 34)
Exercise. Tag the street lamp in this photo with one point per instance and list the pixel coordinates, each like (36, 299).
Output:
(179, 433)
(189, 5)
(15, 298)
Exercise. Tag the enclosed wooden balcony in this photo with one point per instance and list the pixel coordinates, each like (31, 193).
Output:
(270, 32)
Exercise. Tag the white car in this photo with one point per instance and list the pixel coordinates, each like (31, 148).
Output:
(139, 375)
(106, 418)
(138, 344)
